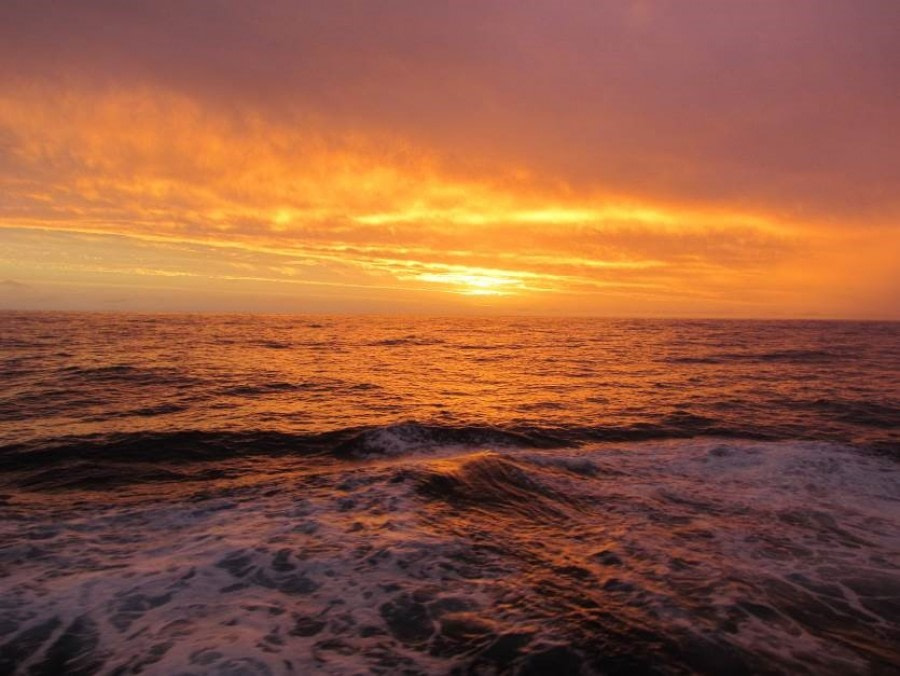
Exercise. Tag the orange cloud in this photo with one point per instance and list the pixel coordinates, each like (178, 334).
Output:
(297, 202)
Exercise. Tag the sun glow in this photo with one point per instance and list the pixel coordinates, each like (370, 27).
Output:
(476, 283)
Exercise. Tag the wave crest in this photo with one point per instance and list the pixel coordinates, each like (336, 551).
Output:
(493, 483)
(409, 437)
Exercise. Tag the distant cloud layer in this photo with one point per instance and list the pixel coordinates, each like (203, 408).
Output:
(645, 157)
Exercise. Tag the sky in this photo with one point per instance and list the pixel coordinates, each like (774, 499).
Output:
(569, 157)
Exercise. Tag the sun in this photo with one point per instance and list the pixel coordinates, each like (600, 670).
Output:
(476, 283)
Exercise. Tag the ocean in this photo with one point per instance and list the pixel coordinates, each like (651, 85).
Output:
(198, 494)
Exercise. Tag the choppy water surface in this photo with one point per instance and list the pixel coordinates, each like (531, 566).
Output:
(246, 495)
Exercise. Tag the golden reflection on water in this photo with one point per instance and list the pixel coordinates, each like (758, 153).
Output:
(314, 374)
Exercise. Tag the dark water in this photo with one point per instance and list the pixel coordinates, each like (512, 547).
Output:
(248, 495)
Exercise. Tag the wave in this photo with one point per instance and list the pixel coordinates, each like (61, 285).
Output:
(179, 447)
(410, 437)
(104, 459)
(272, 388)
(280, 387)
(410, 340)
(100, 461)
(126, 374)
(885, 415)
(795, 356)
(272, 344)
(492, 483)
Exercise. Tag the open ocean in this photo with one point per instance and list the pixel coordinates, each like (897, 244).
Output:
(282, 495)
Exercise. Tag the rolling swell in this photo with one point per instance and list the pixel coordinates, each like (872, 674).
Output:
(103, 460)
(198, 445)
(409, 437)
(97, 462)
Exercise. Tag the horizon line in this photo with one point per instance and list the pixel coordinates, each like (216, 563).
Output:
(460, 315)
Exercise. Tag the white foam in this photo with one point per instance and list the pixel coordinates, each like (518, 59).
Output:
(298, 571)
